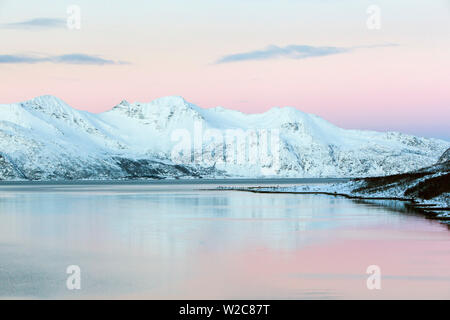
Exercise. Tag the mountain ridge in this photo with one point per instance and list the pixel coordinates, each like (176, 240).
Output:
(46, 139)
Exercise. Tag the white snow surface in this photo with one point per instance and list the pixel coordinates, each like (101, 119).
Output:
(45, 139)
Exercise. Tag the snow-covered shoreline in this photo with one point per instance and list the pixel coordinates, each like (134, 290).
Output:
(426, 189)
(437, 207)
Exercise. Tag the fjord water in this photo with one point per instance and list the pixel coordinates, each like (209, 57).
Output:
(180, 241)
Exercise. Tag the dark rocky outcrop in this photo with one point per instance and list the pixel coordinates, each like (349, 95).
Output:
(445, 156)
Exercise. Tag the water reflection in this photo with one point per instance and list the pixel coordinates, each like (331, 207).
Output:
(162, 241)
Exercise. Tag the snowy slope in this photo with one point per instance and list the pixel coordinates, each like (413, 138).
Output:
(45, 139)
(428, 189)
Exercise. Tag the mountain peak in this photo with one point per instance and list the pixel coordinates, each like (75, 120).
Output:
(124, 103)
(49, 104)
(47, 100)
(174, 98)
(171, 101)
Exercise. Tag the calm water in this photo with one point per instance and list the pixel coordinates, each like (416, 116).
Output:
(177, 241)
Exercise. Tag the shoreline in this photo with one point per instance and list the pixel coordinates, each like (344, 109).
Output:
(429, 210)
(189, 180)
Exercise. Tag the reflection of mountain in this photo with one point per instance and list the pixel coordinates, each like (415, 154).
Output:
(45, 139)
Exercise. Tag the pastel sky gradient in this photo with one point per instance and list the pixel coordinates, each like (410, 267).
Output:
(250, 55)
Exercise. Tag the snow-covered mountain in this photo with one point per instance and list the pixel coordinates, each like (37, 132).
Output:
(45, 139)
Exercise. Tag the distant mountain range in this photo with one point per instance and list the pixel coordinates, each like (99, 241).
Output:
(45, 139)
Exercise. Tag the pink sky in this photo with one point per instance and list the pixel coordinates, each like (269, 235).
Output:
(402, 88)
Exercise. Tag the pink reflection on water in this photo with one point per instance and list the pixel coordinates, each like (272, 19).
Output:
(409, 269)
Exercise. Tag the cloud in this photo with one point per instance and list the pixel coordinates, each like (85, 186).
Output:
(73, 58)
(36, 23)
(78, 58)
(6, 58)
(290, 52)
